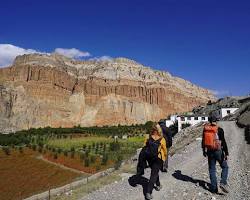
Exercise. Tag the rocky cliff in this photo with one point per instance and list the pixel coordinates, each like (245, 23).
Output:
(51, 90)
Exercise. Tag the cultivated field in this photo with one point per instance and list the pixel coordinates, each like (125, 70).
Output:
(22, 174)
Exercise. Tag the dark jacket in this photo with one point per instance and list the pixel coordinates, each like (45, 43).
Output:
(166, 134)
(221, 138)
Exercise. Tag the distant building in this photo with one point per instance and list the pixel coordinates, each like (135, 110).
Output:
(185, 120)
(171, 120)
(223, 112)
(124, 137)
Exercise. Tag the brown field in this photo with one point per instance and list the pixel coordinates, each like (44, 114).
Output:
(22, 175)
(76, 163)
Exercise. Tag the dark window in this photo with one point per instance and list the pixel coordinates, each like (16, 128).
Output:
(189, 118)
(203, 118)
(228, 111)
(195, 118)
(182, 118)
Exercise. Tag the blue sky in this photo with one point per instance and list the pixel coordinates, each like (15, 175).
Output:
(204, 41)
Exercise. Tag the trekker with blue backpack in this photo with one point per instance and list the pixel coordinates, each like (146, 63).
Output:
(155, 153)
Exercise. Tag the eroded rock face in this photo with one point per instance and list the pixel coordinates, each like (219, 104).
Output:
(52, 90)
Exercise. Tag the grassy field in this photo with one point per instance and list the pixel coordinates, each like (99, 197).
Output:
(67, 143)
(92, 149)
(22, 175)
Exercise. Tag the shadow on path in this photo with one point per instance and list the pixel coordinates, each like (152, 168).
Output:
(179, 176)
(139, 180)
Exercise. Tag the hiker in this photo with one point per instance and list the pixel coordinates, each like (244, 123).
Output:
(215, 148)
(155, 152)
(168, 137)
(142, 161)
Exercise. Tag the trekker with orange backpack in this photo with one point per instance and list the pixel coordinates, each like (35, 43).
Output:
(215, 148)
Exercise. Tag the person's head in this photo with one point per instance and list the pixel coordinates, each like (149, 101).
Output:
(156, 130)
(212, 119)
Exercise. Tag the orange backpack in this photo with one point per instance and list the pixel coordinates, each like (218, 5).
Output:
(211, 138)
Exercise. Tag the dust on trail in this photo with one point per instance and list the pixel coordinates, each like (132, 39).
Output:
(187, 177)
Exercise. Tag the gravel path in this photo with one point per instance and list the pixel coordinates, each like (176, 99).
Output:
(188, 174)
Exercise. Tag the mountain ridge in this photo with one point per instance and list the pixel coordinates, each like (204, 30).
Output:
(66, 92)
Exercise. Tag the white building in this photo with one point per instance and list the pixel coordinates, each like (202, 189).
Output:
(171, 120)
(190, 119)
(223, 112)
(183, 120)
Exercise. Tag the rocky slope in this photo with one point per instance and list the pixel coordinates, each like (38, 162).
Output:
(51, 90)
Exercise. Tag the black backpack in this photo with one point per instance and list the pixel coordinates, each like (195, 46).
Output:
(152, 147)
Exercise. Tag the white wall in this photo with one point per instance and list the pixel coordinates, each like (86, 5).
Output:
(190, 120)
(224, 111)
(171, 121)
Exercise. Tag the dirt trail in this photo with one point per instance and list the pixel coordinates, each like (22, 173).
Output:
(62, 166)
(188, 174)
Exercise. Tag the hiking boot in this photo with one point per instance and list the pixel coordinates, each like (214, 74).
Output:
(148, 196)
(224, 188)
(214, 191)
(158, 187)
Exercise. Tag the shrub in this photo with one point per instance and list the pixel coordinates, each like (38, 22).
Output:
(72, 154)
(65, 153)
(185, 125)
(82, 156)
(86, 162)
(34, 147)
(20, 149)
(98, 167)
(114, 146)
(104, 147)
(55, 156)
(118, 161)
(104, 159)
(40, 149)
(59, 150)
(92, 159)
(6, 150)
(87, 154)
(89, 148)
(72, 149)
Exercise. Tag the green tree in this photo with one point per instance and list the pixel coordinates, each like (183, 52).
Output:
(104, 159)
(65, 153)
(86, 162)
(92, 159)
(82, 156)
(20, 149)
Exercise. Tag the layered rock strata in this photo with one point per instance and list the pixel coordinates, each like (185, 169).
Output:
(51, 90)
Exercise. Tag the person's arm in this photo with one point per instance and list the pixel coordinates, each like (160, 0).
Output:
(203, 145)
(164, 147)
(223, 141)
(145, 140)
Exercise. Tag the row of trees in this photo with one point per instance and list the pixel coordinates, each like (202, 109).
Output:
(41, 135)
